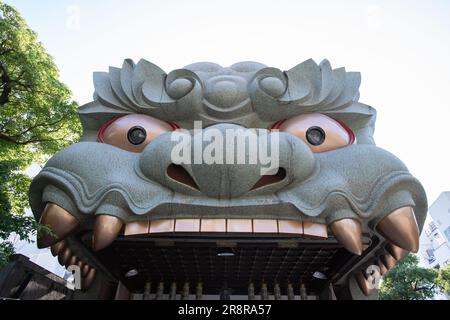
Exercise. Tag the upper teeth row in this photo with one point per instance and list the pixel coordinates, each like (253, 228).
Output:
(273, 226)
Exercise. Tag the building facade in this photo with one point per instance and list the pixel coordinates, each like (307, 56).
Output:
(435, 238)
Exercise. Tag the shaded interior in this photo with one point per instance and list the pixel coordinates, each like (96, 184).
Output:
(167, 259)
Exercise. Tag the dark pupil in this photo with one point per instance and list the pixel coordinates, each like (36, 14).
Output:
(137, 135)
(315, 135)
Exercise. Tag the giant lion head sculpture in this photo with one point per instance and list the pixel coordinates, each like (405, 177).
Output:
(331, 180)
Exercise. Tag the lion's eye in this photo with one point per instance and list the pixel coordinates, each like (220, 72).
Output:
(133, 132)
(315, 135)
(320, 132)
(137, 135)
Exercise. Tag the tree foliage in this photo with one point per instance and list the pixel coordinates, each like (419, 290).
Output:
(408, 281)
(37, 117)
(443, 278)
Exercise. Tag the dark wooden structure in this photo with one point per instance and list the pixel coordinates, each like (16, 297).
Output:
(25, 280)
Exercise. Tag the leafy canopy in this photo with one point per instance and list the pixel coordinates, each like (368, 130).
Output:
(37, 118)
(408, 281)
(443, 278)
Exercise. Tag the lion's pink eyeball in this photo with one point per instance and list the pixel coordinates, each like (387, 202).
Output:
(320, 132)
(133, 132)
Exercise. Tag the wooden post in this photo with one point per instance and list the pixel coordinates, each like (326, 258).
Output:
(147, 290)
(303, 294)
(264, 292)
(199, 291)
(277, 291)
(251, 291)
(160, 291)
(290, 292)
(173, 291)
(185, 292)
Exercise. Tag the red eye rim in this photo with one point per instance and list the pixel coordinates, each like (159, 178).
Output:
(102, 129)
(173, 125)
(350, 132)
(277, 124)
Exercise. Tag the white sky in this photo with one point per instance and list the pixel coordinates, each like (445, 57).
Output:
(400, 47)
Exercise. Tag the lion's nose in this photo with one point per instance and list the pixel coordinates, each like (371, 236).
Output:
(227, 161)
(181, 175)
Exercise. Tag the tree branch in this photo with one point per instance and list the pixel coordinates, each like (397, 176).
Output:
(38, 125)
(6, 50)
(423, 287)
(4, 96)
(33, 139)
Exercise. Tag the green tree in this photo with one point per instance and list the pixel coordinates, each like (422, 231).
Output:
(443, 278)
(408, 281)
(37, 118)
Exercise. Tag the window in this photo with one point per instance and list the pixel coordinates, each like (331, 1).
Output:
(447, 234)
(432, 226)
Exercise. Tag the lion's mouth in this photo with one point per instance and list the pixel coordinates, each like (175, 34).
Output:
(74, 241)
(94, 215)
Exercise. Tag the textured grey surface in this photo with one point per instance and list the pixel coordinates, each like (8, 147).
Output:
(246, 93)
(371, 185)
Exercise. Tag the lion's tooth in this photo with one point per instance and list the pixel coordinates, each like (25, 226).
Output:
(363, 283)
(315, 230)
(213, 225)
(388, 260)
(187, 225)
(382, 267)
(162, 226)
(137, 228)
(72, 261)
(106, 230)
(290, 226)
(348, 233)
(85, 270)
(239, 225)
(64, 256)
(58, 247)
(400, 228)
(265, 226)
(61, 222)
(80, 265)
(89, 279)
(397, 252)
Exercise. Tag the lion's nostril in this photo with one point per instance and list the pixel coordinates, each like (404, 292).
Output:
(180, 174)
(270, 179)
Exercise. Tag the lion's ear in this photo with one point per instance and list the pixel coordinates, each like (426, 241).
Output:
(139, 88)
(360, 118)
(320, 87)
